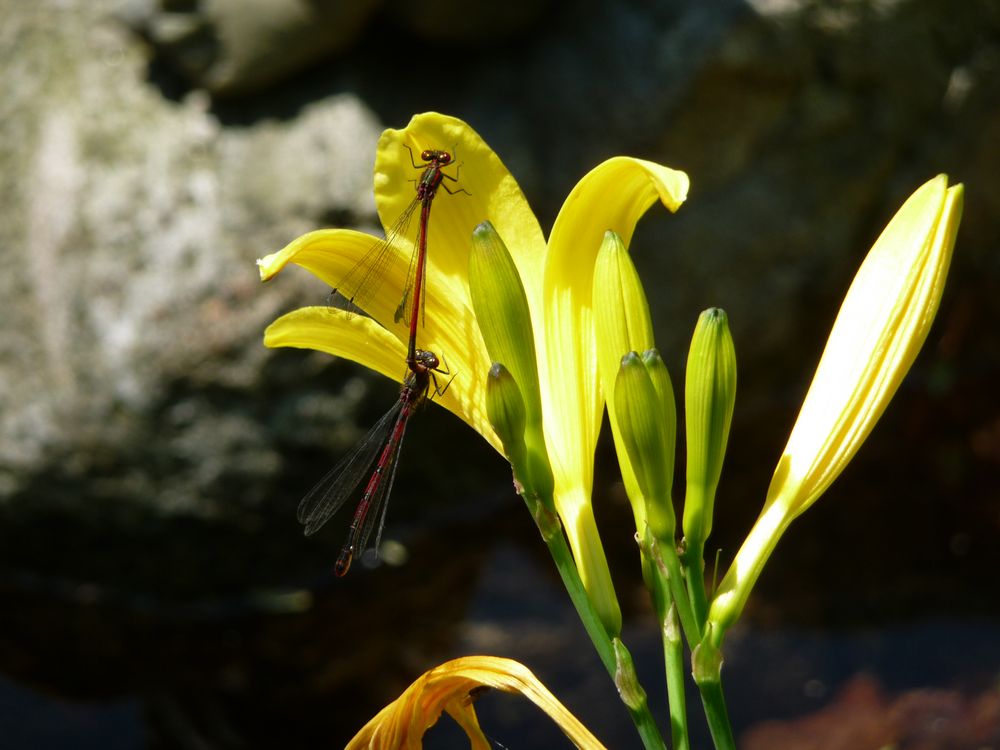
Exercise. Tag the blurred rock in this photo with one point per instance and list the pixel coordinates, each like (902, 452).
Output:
(463, 24)
(236, 46)
(133, 310)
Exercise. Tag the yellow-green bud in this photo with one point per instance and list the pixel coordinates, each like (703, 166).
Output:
(660, 378)
(709, 396)
(640, 417)
(621, 313)
(621, 325)
(505, 410)
(501, 308)
(532, 473)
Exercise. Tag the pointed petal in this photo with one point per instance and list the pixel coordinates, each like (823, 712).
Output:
(364, 341)
(336, 332)
(611, 197)
(331, 254)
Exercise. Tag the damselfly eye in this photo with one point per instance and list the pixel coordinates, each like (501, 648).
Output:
(427, 155)
(427, 359)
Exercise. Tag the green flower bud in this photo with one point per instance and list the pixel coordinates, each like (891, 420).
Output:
(640, 416)
(660, 378)
(709, 396)
(505, 410)
(501, 308)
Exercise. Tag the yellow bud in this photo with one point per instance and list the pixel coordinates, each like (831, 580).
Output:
(621, 325)
(879, 330)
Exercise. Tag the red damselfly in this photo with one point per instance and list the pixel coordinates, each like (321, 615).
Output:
(382, 441)
(358, 286)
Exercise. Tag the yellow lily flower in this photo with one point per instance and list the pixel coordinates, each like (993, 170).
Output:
(557, 278)
(452, 687)
(449, 328)
(881, 326)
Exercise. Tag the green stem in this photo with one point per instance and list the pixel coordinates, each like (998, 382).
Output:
(559, 549)
(668, 568)
(657, 582)
(632, 694)
(694, 564)
(673, 656)
(563, 558)
(706, 661)
(718, 718)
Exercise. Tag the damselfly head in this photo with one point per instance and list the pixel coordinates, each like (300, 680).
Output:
(425, 360)
(436, 156)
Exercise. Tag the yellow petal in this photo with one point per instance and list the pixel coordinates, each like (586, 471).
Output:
(449, 686)
(362, 340)
(483, 189)
(451, 333)
(332, 254)
(342, 334)
(613, 196)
